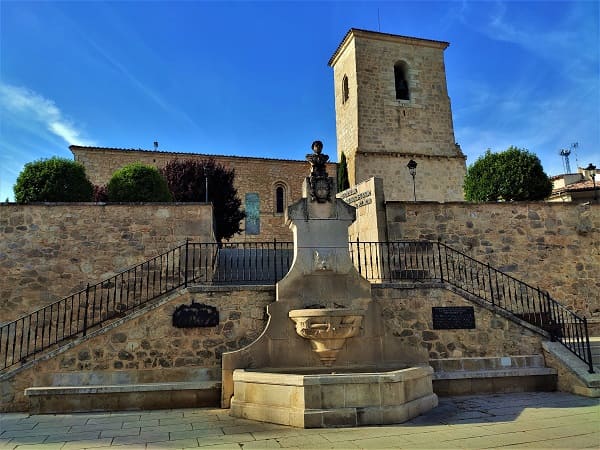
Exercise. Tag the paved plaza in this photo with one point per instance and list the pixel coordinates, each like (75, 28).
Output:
(526, 420)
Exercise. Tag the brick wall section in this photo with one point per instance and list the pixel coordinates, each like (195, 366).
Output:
(553, 246)
(253, 175)
(48, 251)
(149, 349)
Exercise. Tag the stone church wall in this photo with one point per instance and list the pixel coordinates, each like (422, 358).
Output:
(550, 245)
(259, 176)
(48, 251)
(148, 349)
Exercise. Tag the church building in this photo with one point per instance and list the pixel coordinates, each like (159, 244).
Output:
(392, 107)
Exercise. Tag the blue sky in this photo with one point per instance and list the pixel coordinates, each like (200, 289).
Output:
(251, 78)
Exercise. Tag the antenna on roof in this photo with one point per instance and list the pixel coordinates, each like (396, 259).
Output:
(378, 21)
(155, 145)
(565, 156)
(574, 147)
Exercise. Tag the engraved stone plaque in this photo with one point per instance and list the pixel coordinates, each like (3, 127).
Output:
(453, 317)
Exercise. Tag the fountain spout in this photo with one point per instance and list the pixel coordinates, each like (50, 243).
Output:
(327, 329)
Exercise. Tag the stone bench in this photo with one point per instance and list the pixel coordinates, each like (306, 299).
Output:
(122, 397)
(463, 376)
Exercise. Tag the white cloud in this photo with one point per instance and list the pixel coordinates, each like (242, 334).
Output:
(560, 44)
(33, 107)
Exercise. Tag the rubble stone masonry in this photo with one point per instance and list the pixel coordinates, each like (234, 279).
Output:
(550, 245)
(149, 349)
(49, 251)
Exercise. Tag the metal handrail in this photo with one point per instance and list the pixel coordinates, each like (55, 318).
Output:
(432, 260)
(268, 262)
(76, 314)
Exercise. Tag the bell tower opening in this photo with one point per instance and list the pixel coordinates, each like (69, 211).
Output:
(401, 81)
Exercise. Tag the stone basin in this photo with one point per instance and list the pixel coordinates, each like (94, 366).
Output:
(311, 400)
(327, 329)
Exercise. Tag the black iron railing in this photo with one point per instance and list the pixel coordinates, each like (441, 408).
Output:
(267, 263)
(112, 298)
(429, 260)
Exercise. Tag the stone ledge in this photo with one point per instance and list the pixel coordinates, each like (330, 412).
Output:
(194, 288)
(111, 389)
(133, 397)
(474, 364)
(494, 373)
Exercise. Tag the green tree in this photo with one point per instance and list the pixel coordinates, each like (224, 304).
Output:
(137, 182)
(188, 180)
(53, 180)
(342, 174)
(512, 175)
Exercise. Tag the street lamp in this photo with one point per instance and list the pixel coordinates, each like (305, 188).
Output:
(592, 170)
(412, 169)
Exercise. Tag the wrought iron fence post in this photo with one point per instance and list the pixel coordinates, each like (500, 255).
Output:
(275, 257)
(185, 283)
(491, 288)
(552, 323)
(439, 247)
(87, 303)
(589, 348)
(358, 254)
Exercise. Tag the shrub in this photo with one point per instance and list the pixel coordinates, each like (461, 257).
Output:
(187, 181)
(512, 175)
(53, 180)
(138, 182)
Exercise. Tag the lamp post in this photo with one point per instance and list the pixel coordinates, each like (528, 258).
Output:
(412, 169)
(205, 183)
(592, 170)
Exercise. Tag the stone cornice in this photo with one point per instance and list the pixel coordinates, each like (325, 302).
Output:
(375, 35)
(79, 148)
(408, 155)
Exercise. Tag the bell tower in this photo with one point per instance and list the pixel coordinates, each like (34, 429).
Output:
(392, 106)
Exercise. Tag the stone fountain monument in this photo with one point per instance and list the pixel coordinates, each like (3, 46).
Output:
(325, 358)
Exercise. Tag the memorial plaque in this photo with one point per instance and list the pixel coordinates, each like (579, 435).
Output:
(195, 315)
(453, 317)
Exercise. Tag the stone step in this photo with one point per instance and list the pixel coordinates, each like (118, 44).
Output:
(466, 376)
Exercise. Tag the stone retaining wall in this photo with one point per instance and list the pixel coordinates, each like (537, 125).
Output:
(407, 311)
(550, 245)
(48, 251)
(149, 349)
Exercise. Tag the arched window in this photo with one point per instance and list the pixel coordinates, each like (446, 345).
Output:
(401, 79)
(279, 199)
(345, 89)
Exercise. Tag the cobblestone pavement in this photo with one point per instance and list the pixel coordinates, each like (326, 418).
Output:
(526, 420)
